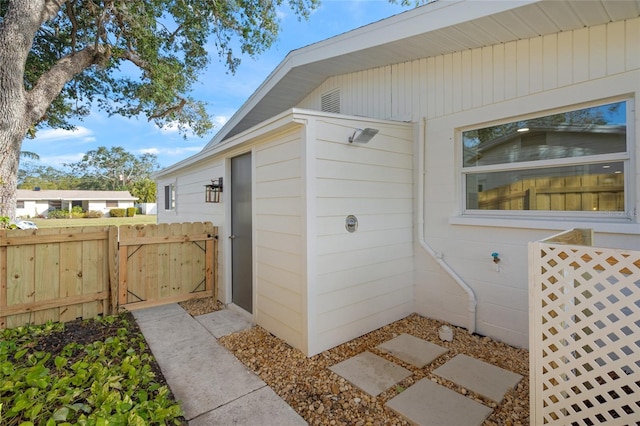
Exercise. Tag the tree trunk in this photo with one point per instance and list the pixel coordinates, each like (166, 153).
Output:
(15, 42)
(19, 110)
(10, 143)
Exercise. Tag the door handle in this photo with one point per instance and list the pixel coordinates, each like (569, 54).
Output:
(232, 237)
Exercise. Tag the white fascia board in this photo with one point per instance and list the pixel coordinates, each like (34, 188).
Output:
(285, 120)
(281, 121)
(430, 17)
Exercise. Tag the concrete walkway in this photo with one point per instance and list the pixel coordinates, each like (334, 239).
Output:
(212, 386)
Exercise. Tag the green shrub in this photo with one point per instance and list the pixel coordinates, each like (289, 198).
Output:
(58, 214)
(117, 212)
(92, 214)
(77, 212)
(131, 211)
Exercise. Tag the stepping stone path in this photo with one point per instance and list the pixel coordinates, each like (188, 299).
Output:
(427, 403)
(484, 379)
(371, 373)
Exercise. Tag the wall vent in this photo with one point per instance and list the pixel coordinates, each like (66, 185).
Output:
(330, 101)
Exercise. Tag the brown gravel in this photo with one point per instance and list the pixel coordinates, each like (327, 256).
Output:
(201, 306)
(323, 398)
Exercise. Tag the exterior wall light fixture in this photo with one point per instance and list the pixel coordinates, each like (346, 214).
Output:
(213, 190)
(363, 135)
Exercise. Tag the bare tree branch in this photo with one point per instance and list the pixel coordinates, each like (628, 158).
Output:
(71, 13)
(50, 84)
(168, 111)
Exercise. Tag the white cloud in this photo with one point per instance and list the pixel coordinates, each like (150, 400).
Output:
(174, 151)
(221, 120)
(169, 128)
(149, 151)
(80, 133)
(58, 161)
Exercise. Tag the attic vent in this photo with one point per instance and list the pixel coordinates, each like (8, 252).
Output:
(331, 101)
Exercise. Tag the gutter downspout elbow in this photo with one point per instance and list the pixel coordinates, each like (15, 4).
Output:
(438, 257)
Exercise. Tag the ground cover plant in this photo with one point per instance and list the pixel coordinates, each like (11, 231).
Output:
(92, 372)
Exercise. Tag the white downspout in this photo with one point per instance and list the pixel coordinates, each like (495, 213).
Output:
(438, 257)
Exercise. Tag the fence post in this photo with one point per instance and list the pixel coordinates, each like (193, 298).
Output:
(113, 269)
(208, 270)
(3, 280)
(123, 291)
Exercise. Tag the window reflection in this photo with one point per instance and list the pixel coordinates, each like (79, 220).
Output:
(569, 184)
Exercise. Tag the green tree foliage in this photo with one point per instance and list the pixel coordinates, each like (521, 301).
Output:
(100, 169)
(581, 117)
(61, 58)
(32, 175)
(113, 169)
(144, 190)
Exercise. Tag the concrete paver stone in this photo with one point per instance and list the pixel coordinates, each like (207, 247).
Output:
(203, 375)
(429, 404)
(207, 377)
(158, 312)
(371, 373)
(224, 322)
(482, 378)
(171, 332)
(412, 350)
(258, 408)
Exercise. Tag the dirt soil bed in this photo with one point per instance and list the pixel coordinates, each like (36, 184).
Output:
(323, 398)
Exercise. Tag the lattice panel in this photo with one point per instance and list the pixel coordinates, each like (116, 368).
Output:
(585, 335)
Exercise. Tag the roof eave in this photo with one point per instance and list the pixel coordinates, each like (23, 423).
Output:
(435, 16)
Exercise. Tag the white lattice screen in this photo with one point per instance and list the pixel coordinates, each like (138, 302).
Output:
(584, 335)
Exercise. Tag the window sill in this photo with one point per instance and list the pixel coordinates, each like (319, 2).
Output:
(608, 227)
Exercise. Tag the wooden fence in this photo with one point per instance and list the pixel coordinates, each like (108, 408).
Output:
(573, 193)
(61, 274)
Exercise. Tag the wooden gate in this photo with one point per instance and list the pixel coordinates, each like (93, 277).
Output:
(159, 264)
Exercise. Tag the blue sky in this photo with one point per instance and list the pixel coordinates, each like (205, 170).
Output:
(223, 92)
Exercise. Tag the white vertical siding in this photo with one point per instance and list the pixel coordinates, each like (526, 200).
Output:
(365, 278)
(468, 88)
(280, 258)
(434, 87)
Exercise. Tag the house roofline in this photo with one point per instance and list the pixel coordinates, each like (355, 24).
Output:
(294, 117)
(435, 15)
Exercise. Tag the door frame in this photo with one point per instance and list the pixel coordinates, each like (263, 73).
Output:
(228, 265)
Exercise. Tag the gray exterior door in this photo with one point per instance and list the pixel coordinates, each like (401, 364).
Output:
(241, 227)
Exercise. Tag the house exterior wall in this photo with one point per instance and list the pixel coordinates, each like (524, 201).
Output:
(34, 208)
(101, 205)
(362, 280)
(279, 237)
(466, 89)
(316, 285)
(191, 207)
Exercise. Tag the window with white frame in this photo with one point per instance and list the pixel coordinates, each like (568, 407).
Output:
(572, 161)
(169, 197)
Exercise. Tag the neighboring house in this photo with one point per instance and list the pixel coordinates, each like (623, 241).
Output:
(36, 202)
(442, 84)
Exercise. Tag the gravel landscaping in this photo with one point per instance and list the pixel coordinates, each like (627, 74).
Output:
(323, 398)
